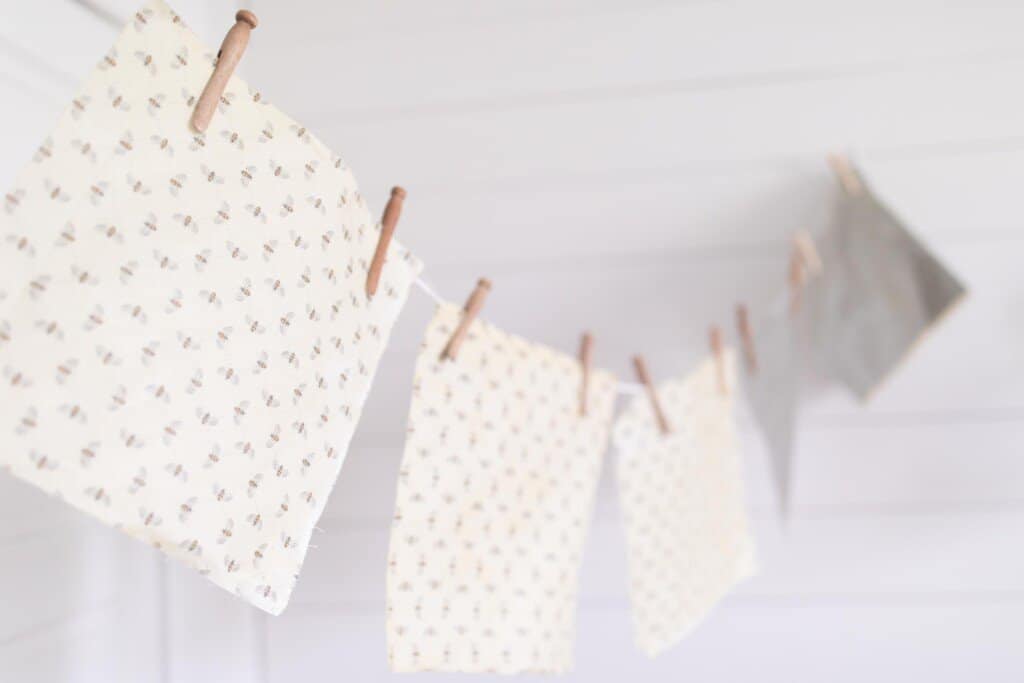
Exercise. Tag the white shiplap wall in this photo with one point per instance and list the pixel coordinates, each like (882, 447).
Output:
(633, 168)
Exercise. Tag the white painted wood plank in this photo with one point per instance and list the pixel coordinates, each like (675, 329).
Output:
(49, 577)
(845, 642)
(210, 19)
(887, 557)
(58, 44)
(25, 510)
(108, 645)
(55, 44)
(79, 606)
(909, 469)
(897, 113)
(388, 65)
(30, 113)
(546, 221)
(839, 472)
(211, 634)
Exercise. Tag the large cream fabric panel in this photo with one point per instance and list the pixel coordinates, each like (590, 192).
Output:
(185, 341)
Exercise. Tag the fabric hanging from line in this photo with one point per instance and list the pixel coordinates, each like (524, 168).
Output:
(880, 292)
(495, 494)
(773, 391)
(682, 504)
(187, 345)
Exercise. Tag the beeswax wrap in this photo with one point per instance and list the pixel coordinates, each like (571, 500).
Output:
(682, 504)
(186, 344)
(773, 390)
(495, 495)
(880, 292)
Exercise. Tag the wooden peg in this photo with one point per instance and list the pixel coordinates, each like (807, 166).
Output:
(231, 51)
(804, 245)
(848, 176)
(586, 349)
(746, 337)
(469, 313)
(715, 340)
(387, 230)
(641, 374)
(804, 263)
(797, 277)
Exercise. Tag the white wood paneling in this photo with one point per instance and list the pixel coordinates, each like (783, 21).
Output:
(583, 53)
(61, 573)
(633, 168)
(80, 603)
(27, 511)
(699, 212)
(888, 556)
(102, 646)
(840, 640)
(894, 114)
(210, 634)
(849, 471)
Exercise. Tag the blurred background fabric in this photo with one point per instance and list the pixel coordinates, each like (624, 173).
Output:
(633, 168)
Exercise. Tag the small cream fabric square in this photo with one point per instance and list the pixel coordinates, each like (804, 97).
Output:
(495, 496)
(682, 504)
(185, 341)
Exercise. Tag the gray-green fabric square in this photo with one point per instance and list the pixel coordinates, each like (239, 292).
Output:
(880, 292)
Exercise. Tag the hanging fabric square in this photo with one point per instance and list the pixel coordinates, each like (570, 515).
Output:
(880, 292)
(187, 344)
(682, 503)
(773, 391)
(495, 496)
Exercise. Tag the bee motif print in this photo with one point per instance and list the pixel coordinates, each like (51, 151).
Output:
(179, 309)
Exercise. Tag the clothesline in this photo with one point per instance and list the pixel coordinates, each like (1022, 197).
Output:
(778, 306)
(625, 388)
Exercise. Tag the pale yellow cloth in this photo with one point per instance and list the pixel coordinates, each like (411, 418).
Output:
(682, 504)
(186, 344)
(495, 495)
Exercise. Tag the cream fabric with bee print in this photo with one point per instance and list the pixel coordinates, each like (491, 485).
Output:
(186, 342)
(682, 504)
(495, 495)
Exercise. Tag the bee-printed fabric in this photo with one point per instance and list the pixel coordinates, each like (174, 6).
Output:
(495, 495)
(880, 292)
(682, 504)
(185, 340)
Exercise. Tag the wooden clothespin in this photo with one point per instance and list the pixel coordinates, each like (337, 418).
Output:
(746, 337)
(586, 349)
(804, 245)
(387, 230)
(847, 174)
(652, 394)
(469, 313)
(804, 263)
(796, 281)
(231, 51)
(715, 340)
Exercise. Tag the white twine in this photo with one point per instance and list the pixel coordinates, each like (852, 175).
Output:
(429, 291)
